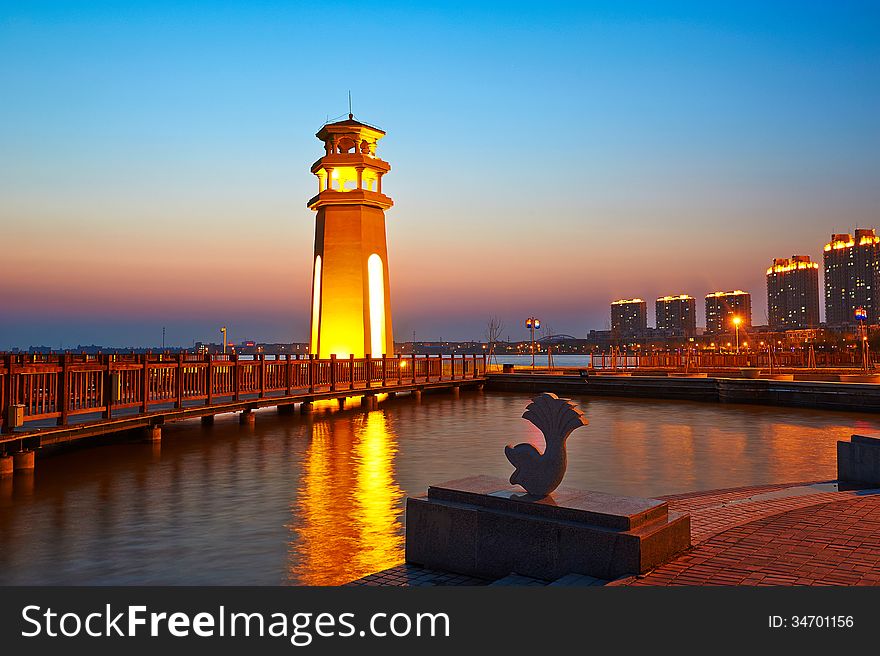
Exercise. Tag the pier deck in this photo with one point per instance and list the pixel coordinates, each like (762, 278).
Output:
(66, 398)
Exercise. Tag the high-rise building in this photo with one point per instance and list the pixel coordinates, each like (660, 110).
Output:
(677, 315)
(852, 277)
(793, 293)
(351, 300)
(629, 318)
(723, 307)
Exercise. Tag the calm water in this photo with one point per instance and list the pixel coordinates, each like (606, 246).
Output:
(319, 499)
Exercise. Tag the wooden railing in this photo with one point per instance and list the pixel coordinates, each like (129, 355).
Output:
(61, 386)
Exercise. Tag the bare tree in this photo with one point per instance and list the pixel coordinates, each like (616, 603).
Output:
(494, 329)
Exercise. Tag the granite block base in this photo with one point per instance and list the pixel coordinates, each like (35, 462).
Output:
(483, 526)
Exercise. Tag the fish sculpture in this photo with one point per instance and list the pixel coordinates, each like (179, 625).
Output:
(541, 473)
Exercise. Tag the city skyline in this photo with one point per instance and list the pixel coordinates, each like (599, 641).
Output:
(146, 200)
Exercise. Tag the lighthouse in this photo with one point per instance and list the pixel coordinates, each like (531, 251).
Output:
(351, 298)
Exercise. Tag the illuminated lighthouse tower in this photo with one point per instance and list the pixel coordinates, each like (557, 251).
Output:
(351, 301)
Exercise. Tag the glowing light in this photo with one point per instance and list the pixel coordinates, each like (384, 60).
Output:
(784, 266)
(625, 301)
(736, 292)
(680, 297)
(316, 305)
(376, 293)
(837, 244)
(737, 321)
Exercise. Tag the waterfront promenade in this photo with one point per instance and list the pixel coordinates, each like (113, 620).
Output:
(787, 534)
(814, 392)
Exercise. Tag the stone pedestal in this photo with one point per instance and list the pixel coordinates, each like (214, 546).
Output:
(247, 418)
(858, 461)
(305, 407)
(484, 527)
(6, 467)
(208, 420)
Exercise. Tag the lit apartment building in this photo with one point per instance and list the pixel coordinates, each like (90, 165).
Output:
(722, 307)
(677, 315)
(793, 293)
(629, 318)
(852, 276)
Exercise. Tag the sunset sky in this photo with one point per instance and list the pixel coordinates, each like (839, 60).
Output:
(546, 158)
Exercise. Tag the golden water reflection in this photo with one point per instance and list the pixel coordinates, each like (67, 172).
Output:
(346, 512)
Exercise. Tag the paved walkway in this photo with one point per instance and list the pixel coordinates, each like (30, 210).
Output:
(795, 535)
(792, 534)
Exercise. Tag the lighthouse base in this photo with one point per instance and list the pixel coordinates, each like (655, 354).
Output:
(484, 527)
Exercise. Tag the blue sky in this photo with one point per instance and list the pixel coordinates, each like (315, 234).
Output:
(155, 156)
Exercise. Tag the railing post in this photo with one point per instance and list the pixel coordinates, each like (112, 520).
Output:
(384, 370)
(236, 383)
(399, 372)
(262, 375)
(332, 372)
(9, 396)
(413, 368)
(209, 380)
(351, 371)
(368, 365)
(107, 387)
(311, 372)
(288, 374)
(145, 383)
(179, 380)
(428, 367)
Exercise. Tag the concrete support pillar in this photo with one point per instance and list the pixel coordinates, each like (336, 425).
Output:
(6, 486)
(417, 395)
(456, 392)
(247, 418)
(6, 466)
(208, 420)
(305, 407)
(341, 402)
(23, 462)
(480, 387)
(367, 401)
(288, 409)
(392, 395)
(153, 434)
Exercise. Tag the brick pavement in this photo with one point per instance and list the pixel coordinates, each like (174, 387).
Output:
(832, 543)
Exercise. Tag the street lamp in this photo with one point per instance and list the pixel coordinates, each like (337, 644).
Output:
(223, 330)
(737, 320)
(862, 317)
(533, 324)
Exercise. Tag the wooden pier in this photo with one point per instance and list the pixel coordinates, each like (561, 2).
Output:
(50, 399)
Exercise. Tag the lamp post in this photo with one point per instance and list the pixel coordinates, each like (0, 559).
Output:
(223, 330)
(533, 324)
(737, 320)
(862, 317)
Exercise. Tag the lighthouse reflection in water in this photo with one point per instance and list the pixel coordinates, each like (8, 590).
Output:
(348, 504)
